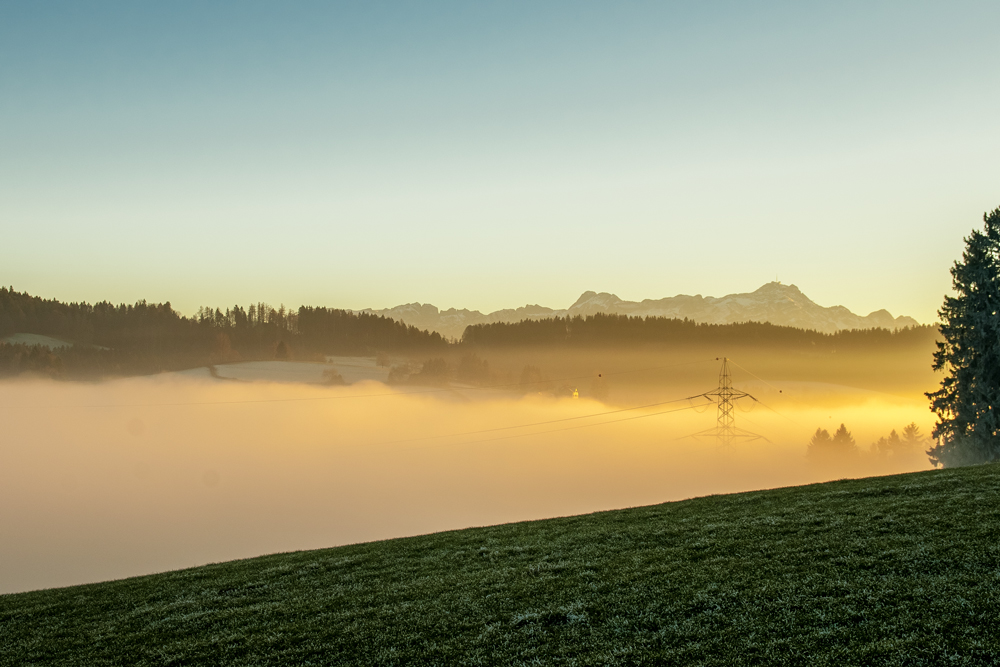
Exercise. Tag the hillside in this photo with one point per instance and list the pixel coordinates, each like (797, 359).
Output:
(602, 330)
(889, 571)
(775, 303)
(146, 338)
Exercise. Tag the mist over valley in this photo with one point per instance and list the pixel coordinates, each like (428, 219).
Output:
(253, 430)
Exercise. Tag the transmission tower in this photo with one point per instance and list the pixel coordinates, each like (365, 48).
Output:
(725, 431)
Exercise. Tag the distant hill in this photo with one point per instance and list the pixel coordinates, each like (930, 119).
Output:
(773, 302)
(882, 571)
(123, 339)
(603, 330)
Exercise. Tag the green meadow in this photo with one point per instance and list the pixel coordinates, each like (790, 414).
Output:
(900, 570)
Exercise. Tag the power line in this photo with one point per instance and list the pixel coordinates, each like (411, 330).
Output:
(779, 414)
(494, 386)
(772, 387)
(726, 430)
(543, 423)
(557, 430)
(756, 376)
(345, 397)
(726, 395)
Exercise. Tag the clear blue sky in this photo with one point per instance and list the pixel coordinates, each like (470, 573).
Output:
(488, 155)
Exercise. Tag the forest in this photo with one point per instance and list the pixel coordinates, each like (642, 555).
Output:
(113, 340)
(604, 329)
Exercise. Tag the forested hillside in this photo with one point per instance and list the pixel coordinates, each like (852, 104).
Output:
(604, 329)
(109, 339)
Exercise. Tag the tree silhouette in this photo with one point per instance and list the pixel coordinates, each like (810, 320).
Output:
(968, 401)
(608, 329)
(908, 445)
(433, 371)
(823, 447)
(888, 446)
(912, 435)
(843, 440)
(820, 444)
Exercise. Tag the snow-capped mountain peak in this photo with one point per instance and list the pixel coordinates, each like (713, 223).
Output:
(772, 302)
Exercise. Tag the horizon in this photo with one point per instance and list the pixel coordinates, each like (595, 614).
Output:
(442, 309)
(648, 298)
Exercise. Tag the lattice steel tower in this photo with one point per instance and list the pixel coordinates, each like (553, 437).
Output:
(725, 431)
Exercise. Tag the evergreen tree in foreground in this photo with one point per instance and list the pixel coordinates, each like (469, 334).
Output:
(968, 427)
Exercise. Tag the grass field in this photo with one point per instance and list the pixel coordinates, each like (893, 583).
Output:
(901, 570)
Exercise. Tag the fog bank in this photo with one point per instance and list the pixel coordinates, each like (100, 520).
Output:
(128, 477)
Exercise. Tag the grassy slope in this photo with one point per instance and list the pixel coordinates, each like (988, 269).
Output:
(894, 570)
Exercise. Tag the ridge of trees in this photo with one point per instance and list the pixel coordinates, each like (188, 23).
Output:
(611, 329)
(123, 339)
(841, 446)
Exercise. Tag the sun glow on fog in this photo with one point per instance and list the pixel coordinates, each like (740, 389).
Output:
(134, 476)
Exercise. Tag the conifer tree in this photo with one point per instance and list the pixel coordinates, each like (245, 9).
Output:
(912, 435)
(888, 446)
(843, 440)
(824, 447)
(968, 426)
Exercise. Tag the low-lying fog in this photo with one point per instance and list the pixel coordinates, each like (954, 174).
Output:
(127, 477)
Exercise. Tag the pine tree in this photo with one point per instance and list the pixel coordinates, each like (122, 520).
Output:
(888, 446)
(821, 439)
(968, 426)
(826, 448)
(912, 435)
(819, 445)
(843, 440)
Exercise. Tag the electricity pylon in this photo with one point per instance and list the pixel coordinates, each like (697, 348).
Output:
(725, 431)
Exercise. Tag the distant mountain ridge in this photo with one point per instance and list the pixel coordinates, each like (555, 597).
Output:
(773, 302)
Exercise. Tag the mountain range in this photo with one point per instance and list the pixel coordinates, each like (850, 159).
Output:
(773, 302)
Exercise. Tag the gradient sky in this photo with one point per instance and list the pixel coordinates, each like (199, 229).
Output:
(488, 155)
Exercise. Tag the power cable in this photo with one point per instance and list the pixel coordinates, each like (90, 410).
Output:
(505, 385)
(779, 414)
(772, 387)
(342, 397)
(543, 423)
(557, 430)
(756, 376)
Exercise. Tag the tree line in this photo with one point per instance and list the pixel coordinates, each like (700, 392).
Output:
(603, 329)
(824, 448)
(142, 338)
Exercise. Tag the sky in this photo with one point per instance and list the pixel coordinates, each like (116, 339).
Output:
(489, 155)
